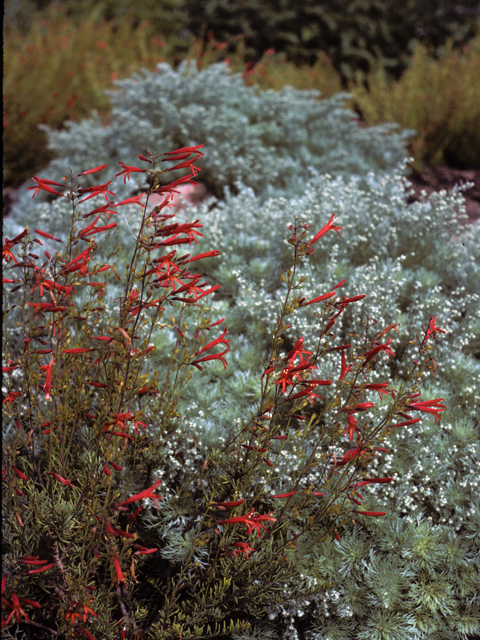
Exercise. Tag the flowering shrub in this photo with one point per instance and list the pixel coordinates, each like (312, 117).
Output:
(89, 427)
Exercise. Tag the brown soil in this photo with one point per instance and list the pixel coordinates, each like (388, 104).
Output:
(444, 177)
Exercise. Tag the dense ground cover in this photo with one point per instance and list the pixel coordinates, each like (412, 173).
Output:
(270, 156)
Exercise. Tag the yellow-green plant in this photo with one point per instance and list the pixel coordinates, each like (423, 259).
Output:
(59, 72)
(440, 99)
(275, 71)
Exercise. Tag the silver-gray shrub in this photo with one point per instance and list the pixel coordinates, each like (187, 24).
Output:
(271, 157)
(267, 140)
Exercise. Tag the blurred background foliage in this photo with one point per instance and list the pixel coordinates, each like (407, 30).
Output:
(415, 63)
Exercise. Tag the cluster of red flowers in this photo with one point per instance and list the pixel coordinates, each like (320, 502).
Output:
(169, 277)
(290, 374)
(169, 273)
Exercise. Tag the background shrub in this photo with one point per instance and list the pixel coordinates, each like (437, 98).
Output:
(355, 35)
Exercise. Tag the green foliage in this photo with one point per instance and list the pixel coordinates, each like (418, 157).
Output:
(355, 35)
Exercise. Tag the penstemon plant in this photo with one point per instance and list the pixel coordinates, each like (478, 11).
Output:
(89, 423)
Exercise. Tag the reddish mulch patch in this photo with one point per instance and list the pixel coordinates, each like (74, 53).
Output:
(430, 179)
(443, 177)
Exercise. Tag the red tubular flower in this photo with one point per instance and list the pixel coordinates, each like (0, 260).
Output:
(228, 505)
(45, 568)
(33, 560)
(286, 378)
(325, 296)
(254, 522)
(127, 171)
(305, 392)
(379, 387)
(184, 165)
(432, 330)
(349, 455)
(118, 569)
(43, 185)
(189, 285)
(209, 291)
(48, 379)
(185, 150)
(67, 481)
(242, 547)
(102, 166)
(363, 406)
(352, 427)
(285, 495)
(95, 191)
(237, 519)
(144, 550)
(148, 493)
(48, 235)
(180, 156)
(303, 366)
(341, 304)
(200, 256)
(380, 347)
(87, 634)
(104, 209)
(135, 199)
(375, 514)
(19, 473)
(251, 521)
(344, 368)
(298, 350)
(324, 230)
(20, 236)
(341, 283)
(340, 347)
(90, 231)
(117, 532)
(362, 483)
(11, 397)
(219, 340)
(215, 356)
(428, 406)
(406, 423)
(17, 610)
(78, 262)
(50, 284)
(7, 251)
